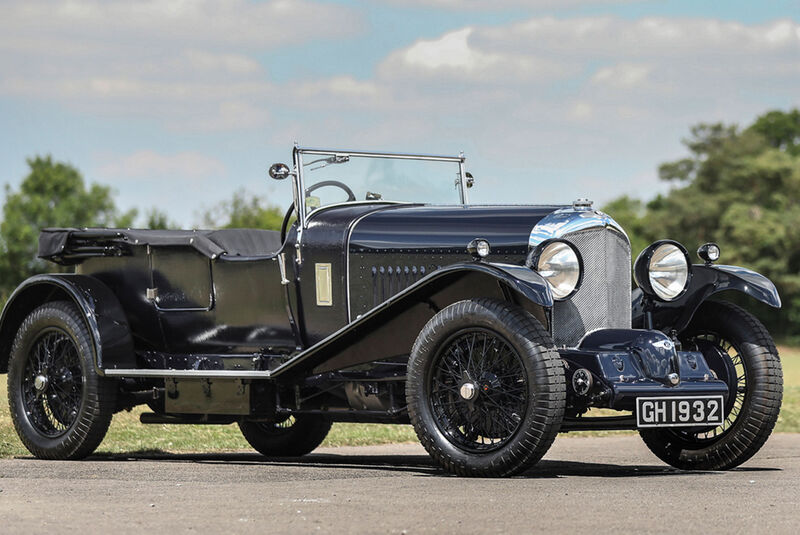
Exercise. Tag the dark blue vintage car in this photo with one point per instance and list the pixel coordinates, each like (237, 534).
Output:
(388, 297)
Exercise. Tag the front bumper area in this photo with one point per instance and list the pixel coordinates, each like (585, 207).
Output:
(625, 364)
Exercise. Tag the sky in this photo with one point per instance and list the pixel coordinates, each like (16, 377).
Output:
(176, 104)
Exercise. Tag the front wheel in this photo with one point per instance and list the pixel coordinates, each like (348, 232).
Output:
(485, 388)
(741, 352)
(60, 406)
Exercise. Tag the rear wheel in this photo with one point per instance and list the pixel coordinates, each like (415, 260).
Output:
(485, 388)
(293, 437)
(61, 408)
(740, 351)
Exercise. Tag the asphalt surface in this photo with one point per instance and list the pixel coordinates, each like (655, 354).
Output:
(583, 484)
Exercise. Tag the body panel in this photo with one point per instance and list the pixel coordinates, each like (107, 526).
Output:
(201, 305)
(392, 249)
(390, 329)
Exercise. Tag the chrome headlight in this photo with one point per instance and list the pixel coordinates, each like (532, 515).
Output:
(560, 263)
(663, 270)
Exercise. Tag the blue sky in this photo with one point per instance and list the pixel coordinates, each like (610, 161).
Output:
(178, 104)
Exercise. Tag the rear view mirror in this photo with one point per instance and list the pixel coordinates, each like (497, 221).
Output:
(279, 171)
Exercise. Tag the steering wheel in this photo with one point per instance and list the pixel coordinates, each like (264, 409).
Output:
(350, 197)
(342, 186)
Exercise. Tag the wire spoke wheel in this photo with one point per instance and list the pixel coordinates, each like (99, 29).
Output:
(478, 390)
(485, 388)
(60, 406)
(52, 385)
(740, 352)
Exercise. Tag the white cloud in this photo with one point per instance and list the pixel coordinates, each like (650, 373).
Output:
(449, 51)
(186, 64)
(151, 165)
(543, 97)
(622, 75)
(553, 97)
(603, 62)
(456, 55)
(149, 23)
(504, 4)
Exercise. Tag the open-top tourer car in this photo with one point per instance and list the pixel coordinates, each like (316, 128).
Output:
(388, 297)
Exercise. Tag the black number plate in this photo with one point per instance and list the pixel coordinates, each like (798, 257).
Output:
(679, 411)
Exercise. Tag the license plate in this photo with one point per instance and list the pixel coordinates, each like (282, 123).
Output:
(679, 411)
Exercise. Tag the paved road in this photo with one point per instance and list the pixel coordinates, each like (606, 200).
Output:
(597, 484)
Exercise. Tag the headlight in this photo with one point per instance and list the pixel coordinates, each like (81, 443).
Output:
(560, 264)
(663, 270)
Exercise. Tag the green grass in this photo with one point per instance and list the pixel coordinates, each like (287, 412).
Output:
(789, 419)
(128, 435)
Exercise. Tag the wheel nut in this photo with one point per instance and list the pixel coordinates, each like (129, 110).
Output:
(468, 391)
(40, 382)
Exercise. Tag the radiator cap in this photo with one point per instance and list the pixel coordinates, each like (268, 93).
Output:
(582, 204)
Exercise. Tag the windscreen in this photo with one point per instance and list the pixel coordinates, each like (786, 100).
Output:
(336, 178)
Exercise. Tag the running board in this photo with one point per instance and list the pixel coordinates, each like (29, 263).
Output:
(193, 374)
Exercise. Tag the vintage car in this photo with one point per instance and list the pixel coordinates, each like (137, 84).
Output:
(387, 297)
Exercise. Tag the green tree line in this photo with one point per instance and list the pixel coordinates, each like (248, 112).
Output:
(738, 187)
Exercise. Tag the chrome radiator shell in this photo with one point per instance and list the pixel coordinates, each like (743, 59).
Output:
(603, 301)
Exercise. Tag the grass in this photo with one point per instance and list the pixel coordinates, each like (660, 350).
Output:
(128, 435)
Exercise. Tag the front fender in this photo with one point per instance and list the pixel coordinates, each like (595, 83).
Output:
(521, 279)
(99, 307)
(705, 282)
(389, 329)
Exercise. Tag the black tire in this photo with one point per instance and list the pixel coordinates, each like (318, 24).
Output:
(293, 437)
(749, 363)
(60, 407)
(504, 352)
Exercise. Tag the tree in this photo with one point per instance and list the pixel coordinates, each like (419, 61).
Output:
(244, 210)
(781, 130)
(53, 194)
(156, 219)
(741, 189)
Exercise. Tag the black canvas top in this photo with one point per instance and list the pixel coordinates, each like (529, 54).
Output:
(54, 243)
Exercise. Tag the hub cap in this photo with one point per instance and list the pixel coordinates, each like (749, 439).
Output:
(40, 383)
(468, 391)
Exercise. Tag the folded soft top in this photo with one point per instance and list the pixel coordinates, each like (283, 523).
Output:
(72, 245)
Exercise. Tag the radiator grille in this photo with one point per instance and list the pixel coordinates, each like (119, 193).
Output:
(604, 299)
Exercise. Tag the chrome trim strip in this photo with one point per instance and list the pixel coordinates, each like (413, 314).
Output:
(197, 374)
(568, 220)
(321, 209)
(392, 155)
(347, 260)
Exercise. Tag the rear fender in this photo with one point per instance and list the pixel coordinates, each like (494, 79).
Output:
(99, 307)
(389, 330)
(705, 282)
